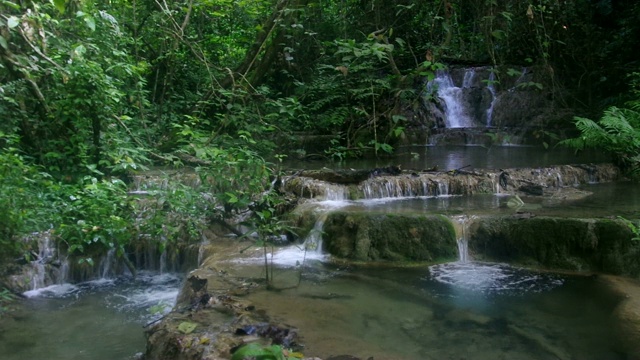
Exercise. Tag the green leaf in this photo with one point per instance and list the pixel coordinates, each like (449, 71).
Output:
(13, 22)
(11, 5)
(498, 34)
(80, 50)
(187, 327)
(60, 5)
(91, 22)
(3, 42)
(256, 350)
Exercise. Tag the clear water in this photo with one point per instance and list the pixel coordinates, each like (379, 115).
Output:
(452, 311)
(468, 157)
(97, 320)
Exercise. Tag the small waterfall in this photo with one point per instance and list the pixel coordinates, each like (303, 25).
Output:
(463, 249)
(163, 261)
(492, 90)
(50, 267)
(443, 188)
(313, 242)
(559, 182)
(469, 76)
(38, 276)
(336, 193)
(202, 250)
(461, 225)
(457, 114)
(106, 267)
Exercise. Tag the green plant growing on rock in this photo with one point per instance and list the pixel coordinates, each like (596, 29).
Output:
(635, 229)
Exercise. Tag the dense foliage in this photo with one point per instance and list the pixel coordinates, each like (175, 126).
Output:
(616, 132)
(93, 91)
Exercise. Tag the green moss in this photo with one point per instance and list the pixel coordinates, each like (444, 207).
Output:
(560, 243)
(378, 236)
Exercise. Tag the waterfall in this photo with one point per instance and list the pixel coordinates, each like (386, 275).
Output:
(463, 249)
(335, 192)
(202, 250)
(492, 90)
(457, 114)
(313, 242)
(461, 225)
(443, 188)
(49, 267)
(163, 261)
(106, 264)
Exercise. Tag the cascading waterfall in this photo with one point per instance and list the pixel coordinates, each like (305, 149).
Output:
(107, 264)
(313, 242)
(457, 114)
(296, 255)
(49, 267)
(461, 102)
(443, 188)
(492, 90)
(336, 193)
(379, 188)
(163, 261)
(462, 230)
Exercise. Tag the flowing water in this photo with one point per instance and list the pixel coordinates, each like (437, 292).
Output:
(458, 310)
(462, 310)
(454, 98)
(597, 200)
(95, 320)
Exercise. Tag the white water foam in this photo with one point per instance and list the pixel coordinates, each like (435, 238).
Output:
(126, 294)
(493, 278)
(53, 291)
(456, 114)
(290, 256)
(492, 91)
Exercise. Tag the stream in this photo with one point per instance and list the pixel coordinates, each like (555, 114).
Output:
(96, 320)
(461, 310)
(451, 311)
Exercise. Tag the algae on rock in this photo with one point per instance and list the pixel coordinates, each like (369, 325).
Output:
(376, 236)
(603, 245)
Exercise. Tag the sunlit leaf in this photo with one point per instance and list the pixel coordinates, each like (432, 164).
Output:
(91, 22)
(187, 327)
(60, 5)
(80, 50)
(13, 22)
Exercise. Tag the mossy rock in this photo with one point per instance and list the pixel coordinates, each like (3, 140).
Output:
(602, 245)
(378, 236)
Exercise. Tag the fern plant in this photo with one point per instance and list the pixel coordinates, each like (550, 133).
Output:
(617, 132)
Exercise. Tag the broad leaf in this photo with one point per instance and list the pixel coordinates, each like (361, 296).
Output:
(60, 5)
(91, 23)
(187, 327)
(13, 22)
